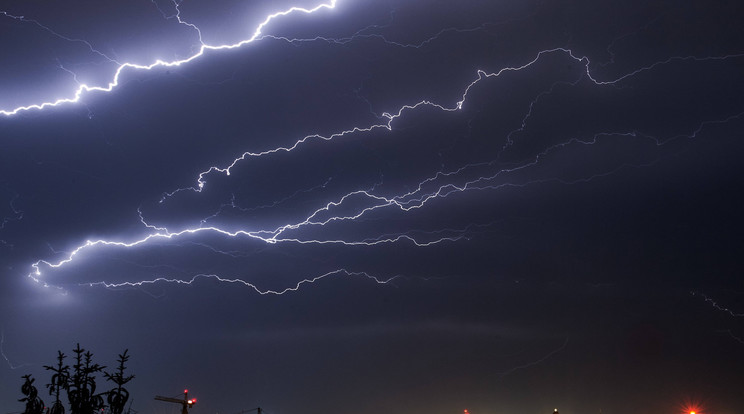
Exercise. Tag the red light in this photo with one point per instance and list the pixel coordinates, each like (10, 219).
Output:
(693, 406)
(194, 400)
(185, 391)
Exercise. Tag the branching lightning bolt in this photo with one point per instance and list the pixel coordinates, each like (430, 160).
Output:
(439, 185)
(61, 36)
(252, 286)
(203, 48)
(391, 117)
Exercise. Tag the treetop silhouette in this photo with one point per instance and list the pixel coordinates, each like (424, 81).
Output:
(79, 385)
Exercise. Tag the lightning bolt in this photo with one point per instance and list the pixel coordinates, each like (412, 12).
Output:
(723, 309)
(83, 89)
(295, 288)
(362, 204)
(5, 357)
(58, 35)
(481, 76)
(716, 306)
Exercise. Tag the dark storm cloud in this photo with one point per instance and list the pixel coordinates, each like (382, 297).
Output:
(545, 240)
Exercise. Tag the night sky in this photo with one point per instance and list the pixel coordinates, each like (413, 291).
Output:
(377, 206)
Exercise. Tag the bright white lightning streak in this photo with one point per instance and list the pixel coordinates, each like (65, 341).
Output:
(36, 274)
(84, 88)
(414, 199)
(481, 75)
(294, 288)
(273, 235)
(405, 202)
(201, 182)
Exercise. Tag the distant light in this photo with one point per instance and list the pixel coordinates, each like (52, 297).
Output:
(185, 391)
(692, 407)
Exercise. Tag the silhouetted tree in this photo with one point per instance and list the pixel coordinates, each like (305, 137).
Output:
(117, 397)
(60, 381)
(81, 390)
(79, 383)
(34, 404)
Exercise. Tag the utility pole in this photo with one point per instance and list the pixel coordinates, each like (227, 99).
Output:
(186, 403)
